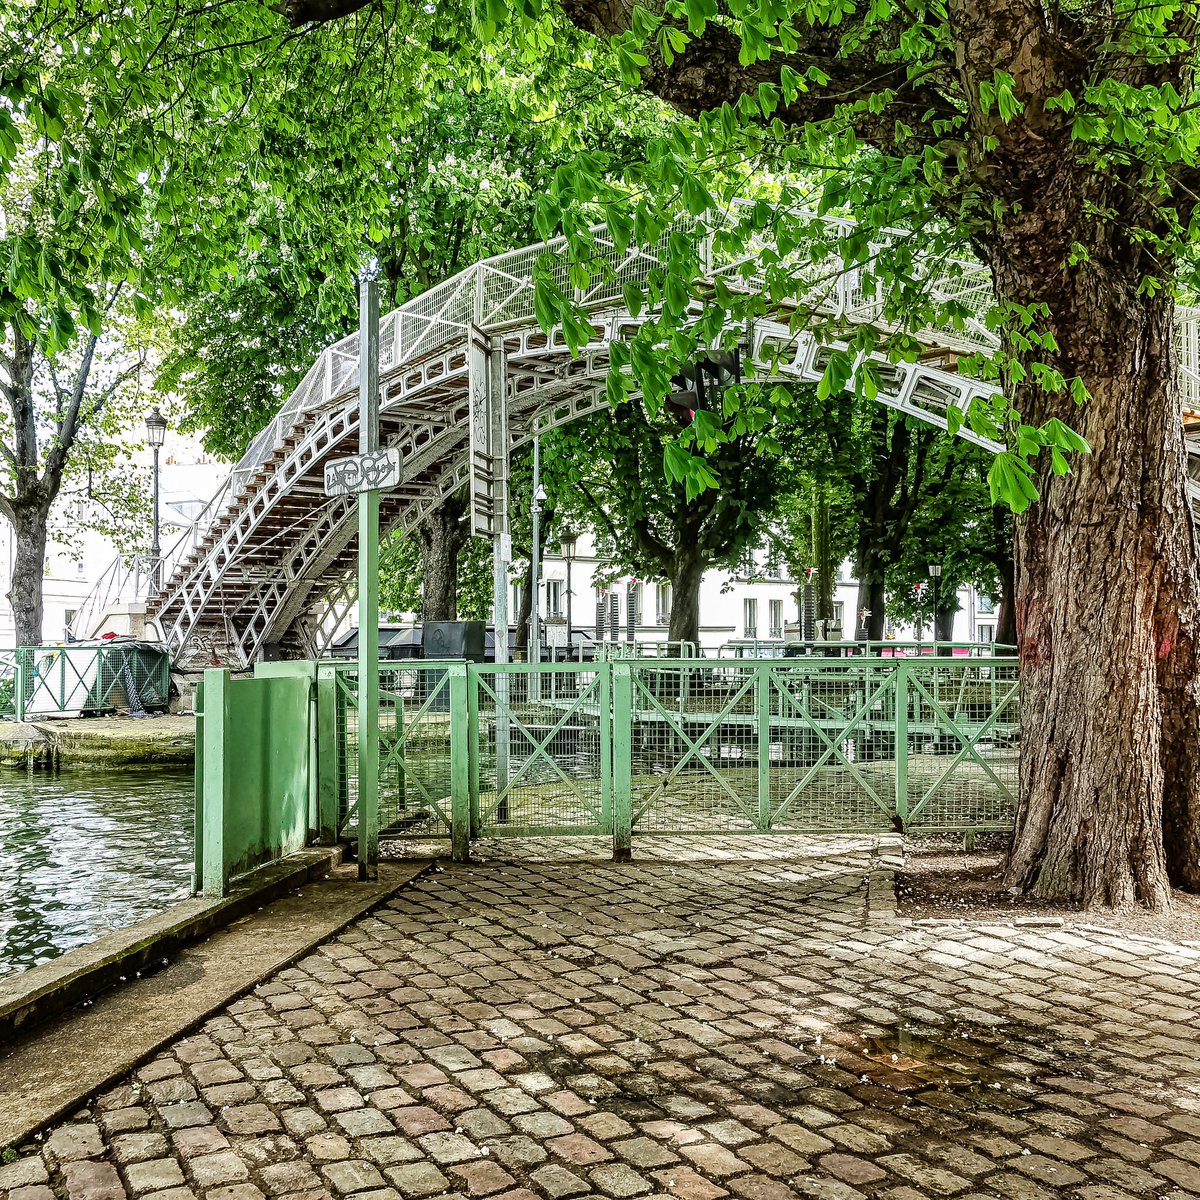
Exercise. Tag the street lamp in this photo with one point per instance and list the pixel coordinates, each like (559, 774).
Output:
(566, 544)
(935, 573)
(156, 433)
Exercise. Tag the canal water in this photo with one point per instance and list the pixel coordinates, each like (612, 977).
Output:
(83, 853)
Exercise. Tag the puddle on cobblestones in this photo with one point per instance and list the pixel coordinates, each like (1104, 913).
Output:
(906, 1056)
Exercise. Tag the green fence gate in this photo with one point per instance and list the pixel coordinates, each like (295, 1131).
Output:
(656, 746)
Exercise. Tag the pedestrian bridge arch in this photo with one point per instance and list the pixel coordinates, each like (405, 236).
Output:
(270, 562)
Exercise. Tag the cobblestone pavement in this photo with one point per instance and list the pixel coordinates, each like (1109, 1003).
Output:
(718, 1019)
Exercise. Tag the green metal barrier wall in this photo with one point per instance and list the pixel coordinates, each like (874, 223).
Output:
(674, 747)
(254, 771)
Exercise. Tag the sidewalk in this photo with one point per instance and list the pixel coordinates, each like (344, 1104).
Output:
(742, 1017)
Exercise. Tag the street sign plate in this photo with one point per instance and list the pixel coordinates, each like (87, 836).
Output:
(377, 471)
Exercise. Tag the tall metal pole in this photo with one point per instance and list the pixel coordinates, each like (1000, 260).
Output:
(569, 646)
(936, 590)
(155, 548)
(368, 581)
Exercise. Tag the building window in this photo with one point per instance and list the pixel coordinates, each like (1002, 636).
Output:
(987, 604)
(554, 599)
(635, 598)
(985, 633)
(518, 589)
(776, 607)
(839, 613)
(68, 617)
(662, 604)
(750, 618)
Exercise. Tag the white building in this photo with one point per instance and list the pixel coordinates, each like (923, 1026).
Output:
(735, 609)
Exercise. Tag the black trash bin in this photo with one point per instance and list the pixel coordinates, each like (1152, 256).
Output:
(448, 639)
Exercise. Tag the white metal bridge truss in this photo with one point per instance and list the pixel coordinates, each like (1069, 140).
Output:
(270, 564)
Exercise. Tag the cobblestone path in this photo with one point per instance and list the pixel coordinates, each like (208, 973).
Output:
(705, 1022)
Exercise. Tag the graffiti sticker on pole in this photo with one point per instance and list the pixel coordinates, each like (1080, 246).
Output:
(374, 472)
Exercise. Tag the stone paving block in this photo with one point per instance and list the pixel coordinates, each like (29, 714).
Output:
(34, 1191)
(617, 1179)
(25, 1172)
(351, 1175)
(250, 1119)
(213, 1169)
(418, 1179)
(557, 1182)
(71, 1142)
(89, 1180)
(481, 1178)
(154, 1176)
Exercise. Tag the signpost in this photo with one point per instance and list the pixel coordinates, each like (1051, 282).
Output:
(368, 573)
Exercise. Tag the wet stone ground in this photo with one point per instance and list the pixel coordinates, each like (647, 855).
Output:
(718, 1019)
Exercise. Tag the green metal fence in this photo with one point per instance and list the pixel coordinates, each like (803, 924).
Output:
(71, 680)
(687, 746)
(798, 745)
(414, 745)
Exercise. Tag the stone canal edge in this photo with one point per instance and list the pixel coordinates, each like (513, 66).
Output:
(49, 1070)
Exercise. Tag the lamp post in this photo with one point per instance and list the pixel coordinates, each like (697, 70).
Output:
(566, 544)
(919, 588)
(156, 432)
(935, 574)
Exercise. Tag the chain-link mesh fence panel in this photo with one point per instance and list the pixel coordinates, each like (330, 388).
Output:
(831, 744)
(414, 749)
(542, 748)
(964, 736)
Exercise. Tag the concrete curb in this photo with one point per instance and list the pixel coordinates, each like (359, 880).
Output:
(886, 859)
(56, 1067)
(84, 973)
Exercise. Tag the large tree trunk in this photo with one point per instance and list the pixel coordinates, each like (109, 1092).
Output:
(1107, 600)
(443, 534)
(687, 571)
(29, 565)
(872, 597)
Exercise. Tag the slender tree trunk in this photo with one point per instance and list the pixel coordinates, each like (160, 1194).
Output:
(687, 571)
(525, 608)
(1006, 609)
(943, 621)
(443, 534)
(822, 555)
(1107, 600)
(29, 566)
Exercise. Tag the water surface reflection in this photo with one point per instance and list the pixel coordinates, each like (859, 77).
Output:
(84, 853)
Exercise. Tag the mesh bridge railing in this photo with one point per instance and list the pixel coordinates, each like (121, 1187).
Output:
(686, 746)
(82, 680)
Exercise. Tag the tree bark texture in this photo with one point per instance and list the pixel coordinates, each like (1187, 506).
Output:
(25, 587)
(443, 534)
(1107, 600)
(822, 556)
(687, 571)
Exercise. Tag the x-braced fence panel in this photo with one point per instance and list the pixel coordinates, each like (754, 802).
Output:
(541, 748)
(415, 755)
